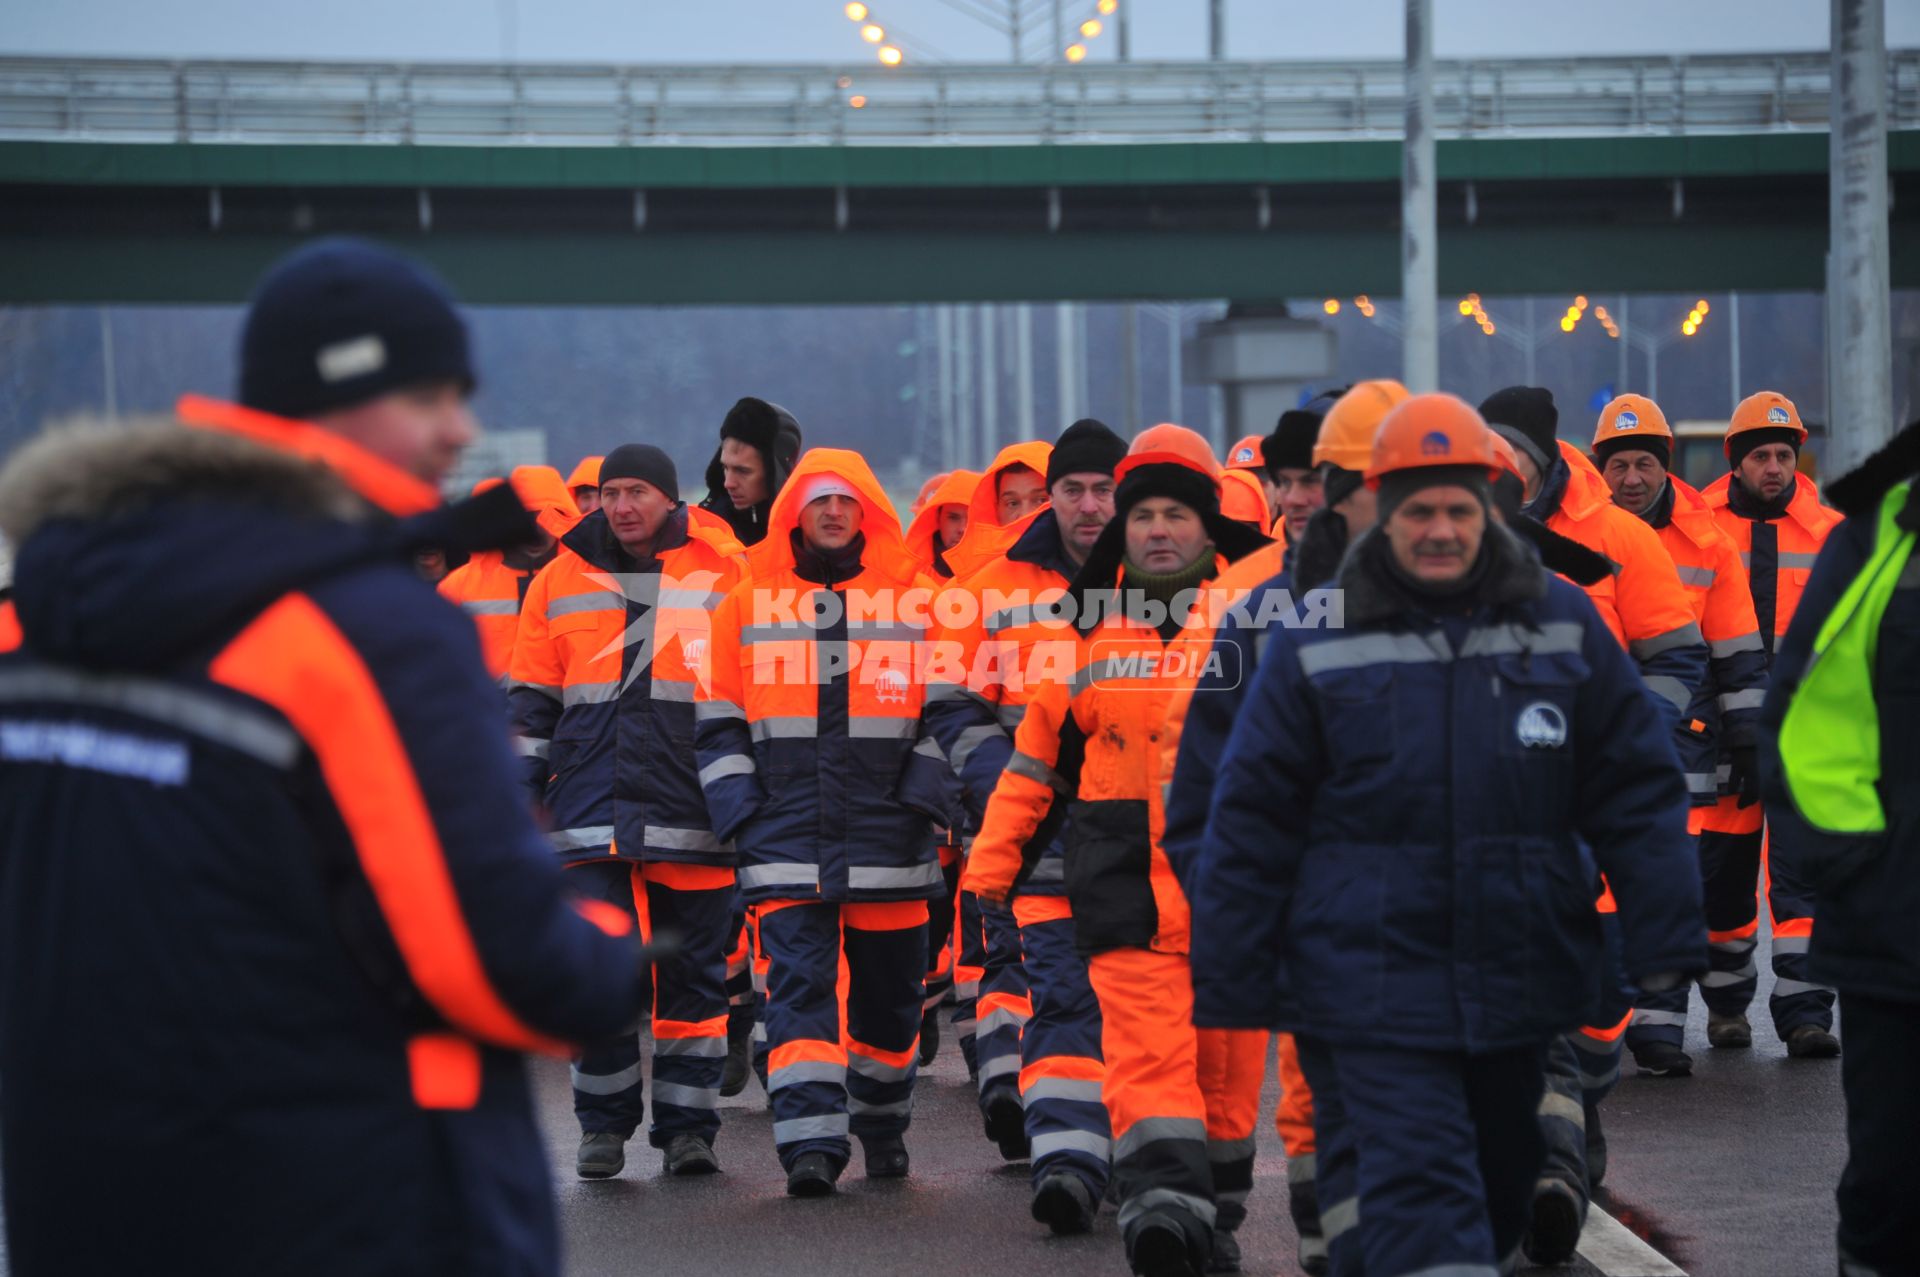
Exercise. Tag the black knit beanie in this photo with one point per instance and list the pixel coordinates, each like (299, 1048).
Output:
(1738, 446)
(644, 462)
(1085, 447)
(341, 322)
(1290, 446)
(1526, 418)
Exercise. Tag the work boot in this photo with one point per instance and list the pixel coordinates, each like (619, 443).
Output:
(1729, 1032)
(1226, 1253)
(1303, 1203)
(690, 1155)
(1662, 1059)
(929, 1035)
(1596, 1147)
(1158, 1247)
(603, 1154)
(886, 1156)
(1006, 1124)
(1811, 1042)
(812, 1175)
(1065, 1204)
(1553, 1232)
(733, 1078)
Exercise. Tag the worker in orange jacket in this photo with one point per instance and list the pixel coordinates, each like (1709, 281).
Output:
(818, 767)
(584, 483)
(1776, 521)
(1095, 739)
(1634, 446)
(490, 585)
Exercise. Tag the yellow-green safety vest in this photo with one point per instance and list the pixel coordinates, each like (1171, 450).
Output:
(1830, 738)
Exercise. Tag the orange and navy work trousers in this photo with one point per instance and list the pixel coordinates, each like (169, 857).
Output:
(830, 1079)
(1061, 1066)
(694, 902)
(1183, 1101)
(1004, 1006)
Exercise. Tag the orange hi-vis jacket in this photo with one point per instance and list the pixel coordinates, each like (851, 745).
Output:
(810, 743)
(1095, 742)
(986, 540)
(488, 588)
(1642, 603)
(605, 666)
(923, 537)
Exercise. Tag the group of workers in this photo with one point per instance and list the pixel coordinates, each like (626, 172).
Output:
(1411, 735)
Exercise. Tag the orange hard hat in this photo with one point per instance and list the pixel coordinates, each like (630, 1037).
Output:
(1432, 430)
(1631, 417)
(1347, 431)
(1768, 410)
(1246, 455)
(1242, 498)
(1168, 444)
(586, 474)
(1509, 459)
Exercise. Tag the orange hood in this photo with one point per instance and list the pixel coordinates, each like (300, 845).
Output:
(986, 540)
(955, 489)
(547, 498)
(586, 474)
(879, 524)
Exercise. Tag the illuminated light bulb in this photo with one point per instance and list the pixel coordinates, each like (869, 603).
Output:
(1466, 307)
(857, 12)
(1108, 7)
(1076, 52)
(1580, 302)
(857, 101)
(845, 82)
(890, 55)
(873, 33)
(1689, 328)
(1331, 305)
(1091, 28)
(1566, 325)
(1701, 306)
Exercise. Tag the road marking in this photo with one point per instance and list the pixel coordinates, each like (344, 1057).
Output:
(1616, 1251)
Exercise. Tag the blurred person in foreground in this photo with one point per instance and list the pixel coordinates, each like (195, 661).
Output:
(273, 919)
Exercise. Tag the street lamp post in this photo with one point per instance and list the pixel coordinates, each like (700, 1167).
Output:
(1419, 235)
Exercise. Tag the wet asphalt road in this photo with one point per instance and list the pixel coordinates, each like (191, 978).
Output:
(1729, 1173)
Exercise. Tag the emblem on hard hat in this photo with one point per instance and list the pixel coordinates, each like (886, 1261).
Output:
(1777, 416)
(890, 687)
(1436, 444)
(1542, 725)
(1243, 454)
(1626, 421)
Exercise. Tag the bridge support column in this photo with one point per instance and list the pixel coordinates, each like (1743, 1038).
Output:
(1419, 231)
(1260, 362)
(1860, 347)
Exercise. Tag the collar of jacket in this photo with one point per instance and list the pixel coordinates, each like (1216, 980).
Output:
(1040, 545)
(1660, 513)
(749, 525)
(1553, 492)
(827, 567)
(1748, 506)
(380, 482)
(1513, 576)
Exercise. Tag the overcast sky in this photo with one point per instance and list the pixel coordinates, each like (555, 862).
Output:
(816, 30)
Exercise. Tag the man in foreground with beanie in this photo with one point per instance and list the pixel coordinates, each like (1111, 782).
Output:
(1776, 521)
(613, 639)
(819, 766)
(295, 867)
(759, 443)
(1044, 1096)
(1363, 885)
(1093, 742)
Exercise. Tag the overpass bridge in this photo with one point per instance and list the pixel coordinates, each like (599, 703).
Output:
(145, 181)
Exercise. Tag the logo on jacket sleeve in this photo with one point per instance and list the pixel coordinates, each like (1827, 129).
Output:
(1542, 725)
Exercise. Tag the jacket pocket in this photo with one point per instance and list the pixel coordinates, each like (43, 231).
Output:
(1110, 875)
(1357, 716)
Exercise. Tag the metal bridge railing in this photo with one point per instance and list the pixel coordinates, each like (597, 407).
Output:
(61, 99)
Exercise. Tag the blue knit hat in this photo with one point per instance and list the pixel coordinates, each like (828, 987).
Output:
(342, 321)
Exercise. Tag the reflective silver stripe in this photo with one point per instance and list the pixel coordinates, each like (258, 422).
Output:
(971, 739)
(731, 765)
(1051, 1142)
(712, 1048)
(1565, 1107)
(1796, 559)
(928, 747)
(1150, 1130)
(1909, 575)
(999, 1066)
(1112, 666)
(1748, 642)
(672, 691)
(885, 631)
(1687, 635)
(551, 690)
(689, 600)
(825, 1127)
(686, 1097)
(1340, 1217)
(1033, 769)
(806, 1071)
(1702, 783)
(1456, 1270)
(1664, 1018)
(594, 601)
(1671, 688)
(606, 1083)
(865, 1108)
(1050, 869)
(490, 607)
(778, 632)
(863, 878)
(1049, 614)
(1787, 988)
(794, 727)
(1011, 716)
(531, 746)
(1302, 1168)
(1790, 944)
(881, 727)
(581, 839)
(591, 693)
(1722, 979)
(253, 732)
(1078, 1090)
(715, 710)
(1745, 944)
(1230, 1150)
(1007, 1018)
(1750, 699)
(1154, 1198)
(680, 839)
(759, 1029)
(1372, 649)
(1553, 638)
(967, 989)
(1702, 577)
(879, 1070)
(753, 876)
(938, 691)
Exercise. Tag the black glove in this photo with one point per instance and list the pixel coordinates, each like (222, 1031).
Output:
(1743, 776)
